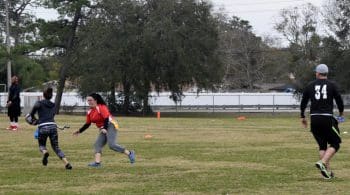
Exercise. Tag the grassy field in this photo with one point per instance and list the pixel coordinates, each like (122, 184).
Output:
(264, 154)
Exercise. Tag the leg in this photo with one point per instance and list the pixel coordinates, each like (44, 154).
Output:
(112, 137)
(100, 142)
(319, 129)
(16, 122)
(42, 141)
(328, 156)
(12, 122)
(322, 152)
(42, 146)
(334, 140)
(54, 144)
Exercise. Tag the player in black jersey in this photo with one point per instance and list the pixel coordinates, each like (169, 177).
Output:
(324, 126)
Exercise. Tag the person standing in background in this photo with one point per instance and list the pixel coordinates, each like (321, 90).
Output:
(14, 104)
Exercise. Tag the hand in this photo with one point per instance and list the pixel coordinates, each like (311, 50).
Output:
(340, 119)
(104, 131)
(8, 104)
(304, 122)
(76, 133)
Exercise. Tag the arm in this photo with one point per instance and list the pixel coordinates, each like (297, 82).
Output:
(105, 124)
(339, 101)
(84, 127)
(13, 94)
(35, 109)
(9, 98)
(303, 104)
(105, 114)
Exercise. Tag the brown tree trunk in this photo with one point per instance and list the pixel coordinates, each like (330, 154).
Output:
(126, 102)
(67, 63)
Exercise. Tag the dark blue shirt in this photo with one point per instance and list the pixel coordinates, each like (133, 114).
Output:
(46, 111)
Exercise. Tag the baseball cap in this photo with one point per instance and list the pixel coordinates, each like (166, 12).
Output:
(322, 68)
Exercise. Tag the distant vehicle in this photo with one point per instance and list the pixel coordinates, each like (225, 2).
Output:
(289, 90)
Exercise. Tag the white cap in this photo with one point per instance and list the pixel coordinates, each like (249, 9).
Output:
(322, 68)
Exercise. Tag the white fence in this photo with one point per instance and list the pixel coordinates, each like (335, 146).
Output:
(190, 102)
(225, 99)
(225, 102)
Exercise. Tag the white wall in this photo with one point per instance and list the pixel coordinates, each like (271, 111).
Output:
(190, 99)
(224, 99)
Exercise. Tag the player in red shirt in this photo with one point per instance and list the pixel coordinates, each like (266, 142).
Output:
(100, 115)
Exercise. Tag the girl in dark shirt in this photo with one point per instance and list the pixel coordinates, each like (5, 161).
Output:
(47, 127)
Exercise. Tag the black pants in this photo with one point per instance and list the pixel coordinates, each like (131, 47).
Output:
(49, 131)
(325, 131)
(14, 110)
(13, 119)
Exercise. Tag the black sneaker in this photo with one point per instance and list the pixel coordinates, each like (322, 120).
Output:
(68, 166)
(45, 158)
(322, 167)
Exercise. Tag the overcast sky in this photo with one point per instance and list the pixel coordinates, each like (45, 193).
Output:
(260, 13)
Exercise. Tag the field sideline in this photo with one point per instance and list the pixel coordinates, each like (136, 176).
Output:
(264, 154)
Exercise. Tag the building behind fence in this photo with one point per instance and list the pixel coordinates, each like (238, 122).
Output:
(190, 102)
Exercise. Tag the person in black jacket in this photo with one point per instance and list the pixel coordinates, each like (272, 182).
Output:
(324, 126)
(47, 127)
(14, 104)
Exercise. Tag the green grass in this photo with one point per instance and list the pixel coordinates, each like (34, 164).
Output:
(265, 154)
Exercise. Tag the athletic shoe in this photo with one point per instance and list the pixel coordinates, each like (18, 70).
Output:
(69, 166)
(132, 156)
(45, 158)
(322, 167)
(94, 164)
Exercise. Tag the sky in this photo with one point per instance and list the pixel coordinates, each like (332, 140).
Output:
(261, 14)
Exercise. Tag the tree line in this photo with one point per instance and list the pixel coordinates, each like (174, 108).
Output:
(150, 45)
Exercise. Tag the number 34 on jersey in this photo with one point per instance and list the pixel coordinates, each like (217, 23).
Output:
(320, 92)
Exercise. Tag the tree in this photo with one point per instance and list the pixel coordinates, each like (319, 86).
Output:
(299, 26)
(181, 41)
(109, 43)
(337, 18)
(23, 30)
(61, 36)
(167, 45)
(336, 47)
(242, 52)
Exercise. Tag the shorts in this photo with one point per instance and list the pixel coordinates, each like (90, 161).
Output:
(325, 130)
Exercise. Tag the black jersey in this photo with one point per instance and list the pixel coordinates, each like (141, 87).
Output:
(321, 92)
